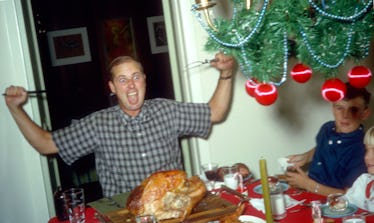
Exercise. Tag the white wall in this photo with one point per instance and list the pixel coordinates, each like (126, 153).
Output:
(22, 190)
(251, 130)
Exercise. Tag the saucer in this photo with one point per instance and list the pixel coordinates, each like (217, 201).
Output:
(258, 188)
(326, 211)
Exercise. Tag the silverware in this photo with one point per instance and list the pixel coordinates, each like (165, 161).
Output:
(36, 92)
(198, 63)
(102, 218)
(114, 202)
(242, 197)
(300, 209)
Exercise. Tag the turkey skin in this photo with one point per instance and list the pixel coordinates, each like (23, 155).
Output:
(166, 194)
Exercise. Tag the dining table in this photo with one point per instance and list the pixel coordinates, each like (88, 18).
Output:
(299, 212)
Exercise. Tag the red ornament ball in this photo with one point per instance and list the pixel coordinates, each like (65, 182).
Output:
(333, 90)
(301, 73)
(359, 76)
(250, 87)
(266, 94)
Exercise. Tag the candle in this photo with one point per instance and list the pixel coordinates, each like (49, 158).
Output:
(266, 191)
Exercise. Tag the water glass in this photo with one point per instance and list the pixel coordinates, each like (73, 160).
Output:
(145, 219)
(316, 211)
(278, 203)
(355, 218)
(232, 178)
(75, 204)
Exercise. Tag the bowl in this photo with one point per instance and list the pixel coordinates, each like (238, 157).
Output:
(337, 202)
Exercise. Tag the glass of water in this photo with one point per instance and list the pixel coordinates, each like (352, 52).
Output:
(355, 218)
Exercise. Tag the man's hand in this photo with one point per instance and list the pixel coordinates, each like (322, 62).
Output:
(15, 97)
(224, 63)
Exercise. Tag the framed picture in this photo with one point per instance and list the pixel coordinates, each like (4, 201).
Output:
(118, 39)
(69, 46)
(157, 34)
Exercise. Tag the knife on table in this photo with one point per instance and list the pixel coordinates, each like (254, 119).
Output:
(242, 197)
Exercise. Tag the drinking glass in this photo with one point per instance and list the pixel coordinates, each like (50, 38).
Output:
(75, 204)
(316, 211)
(211, 174)
(232, 178)
(355, 218)
(145, 219)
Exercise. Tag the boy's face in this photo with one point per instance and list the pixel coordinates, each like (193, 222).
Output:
(369, 158)
(349, 114)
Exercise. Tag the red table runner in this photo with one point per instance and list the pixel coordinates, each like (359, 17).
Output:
(304, 215)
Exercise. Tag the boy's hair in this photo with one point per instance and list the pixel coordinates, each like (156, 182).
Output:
(369, 136)
(353, 93)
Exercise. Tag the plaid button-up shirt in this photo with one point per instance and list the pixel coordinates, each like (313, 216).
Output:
(128, 149)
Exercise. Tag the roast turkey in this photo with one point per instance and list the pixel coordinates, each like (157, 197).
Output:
(167, 194)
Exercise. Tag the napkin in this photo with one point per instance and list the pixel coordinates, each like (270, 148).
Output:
(258, 203)
(283, 163)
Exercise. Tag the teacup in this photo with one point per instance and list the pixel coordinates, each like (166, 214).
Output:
(337, 202)
(232, 178)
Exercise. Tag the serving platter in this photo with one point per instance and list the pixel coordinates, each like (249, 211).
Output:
(210, 208)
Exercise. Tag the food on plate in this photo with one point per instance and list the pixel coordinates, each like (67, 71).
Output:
(337, 202)
(166, 194)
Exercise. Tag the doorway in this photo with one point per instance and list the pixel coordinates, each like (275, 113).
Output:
(76, 89)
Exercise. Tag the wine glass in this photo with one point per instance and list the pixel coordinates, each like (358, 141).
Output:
(211, 174)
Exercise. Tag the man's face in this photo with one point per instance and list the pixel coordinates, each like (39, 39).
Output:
(369, 158)
(129, 85)
(349, 114)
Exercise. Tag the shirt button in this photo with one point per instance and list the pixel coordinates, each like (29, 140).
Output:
(330, 142)
(339, 141)
(319, 163)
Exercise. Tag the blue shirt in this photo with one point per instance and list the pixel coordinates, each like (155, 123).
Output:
(339, 157)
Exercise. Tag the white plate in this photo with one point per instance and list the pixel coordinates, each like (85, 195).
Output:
(250, 218)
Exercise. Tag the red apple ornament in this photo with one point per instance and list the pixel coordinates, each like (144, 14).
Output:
(333, 90)
(301, 73)
(359, 76)
(266, 94)
(250, 87)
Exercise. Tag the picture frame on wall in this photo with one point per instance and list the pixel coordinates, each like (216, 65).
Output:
(157, 34)
(69, 46)
(118, 39)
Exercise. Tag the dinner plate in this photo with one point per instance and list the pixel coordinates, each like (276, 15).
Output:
(250, 218)
(258, 188)
(326, 211)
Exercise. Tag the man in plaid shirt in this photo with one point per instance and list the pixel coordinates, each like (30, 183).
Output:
(134, 138)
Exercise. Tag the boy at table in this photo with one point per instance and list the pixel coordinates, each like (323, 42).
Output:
(361, 193)
(338, 157)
